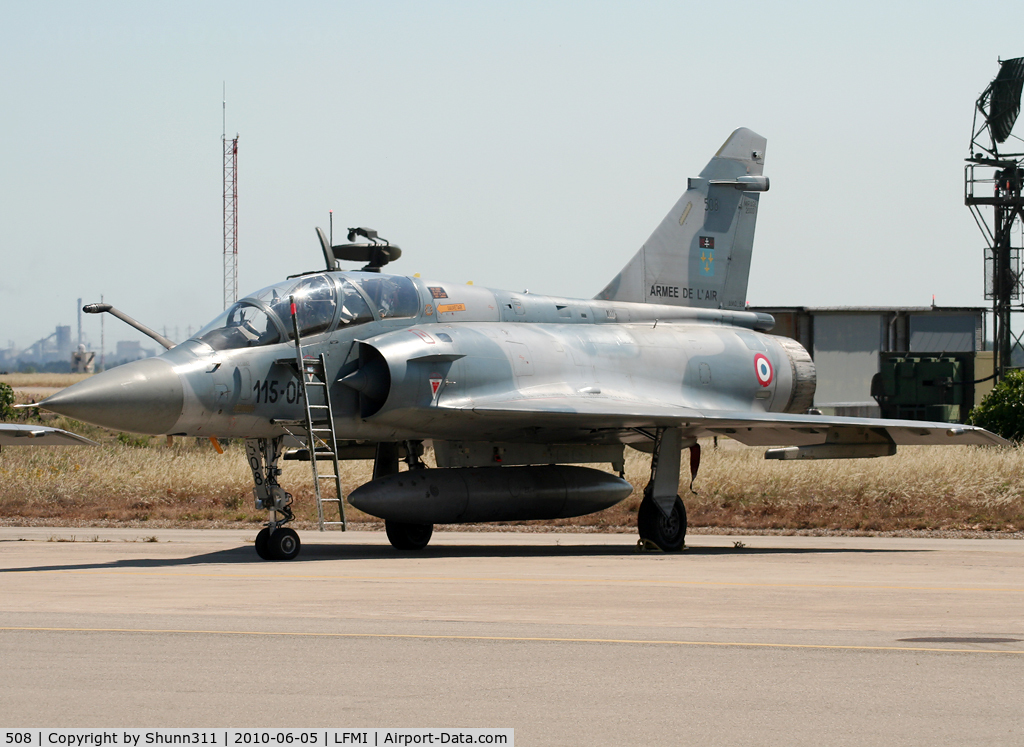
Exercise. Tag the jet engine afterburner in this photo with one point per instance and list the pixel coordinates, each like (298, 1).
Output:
(801, 396)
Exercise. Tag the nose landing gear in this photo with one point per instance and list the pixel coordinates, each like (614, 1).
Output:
(282, 544)
(275, 541)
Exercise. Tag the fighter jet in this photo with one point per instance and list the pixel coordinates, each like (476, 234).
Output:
(512, 390)
(16, 434)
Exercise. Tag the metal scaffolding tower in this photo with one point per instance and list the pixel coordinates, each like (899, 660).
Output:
(230, 220)
(996, 180)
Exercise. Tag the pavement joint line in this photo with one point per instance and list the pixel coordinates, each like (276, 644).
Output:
(652, 581)
(515, 639)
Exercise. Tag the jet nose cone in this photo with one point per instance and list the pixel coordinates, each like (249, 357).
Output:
(143, 397)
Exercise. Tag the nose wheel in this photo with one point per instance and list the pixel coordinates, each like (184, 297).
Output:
(281, 544)
(275, 541)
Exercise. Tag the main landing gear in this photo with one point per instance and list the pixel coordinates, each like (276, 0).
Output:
(667, 531)
(662, 516)
(275, 541)
(408, 536)
(402, 536)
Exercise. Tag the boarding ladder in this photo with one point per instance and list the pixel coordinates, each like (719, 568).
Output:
(320, 438)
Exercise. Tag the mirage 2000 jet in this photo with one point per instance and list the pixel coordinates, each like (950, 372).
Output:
(512, 390)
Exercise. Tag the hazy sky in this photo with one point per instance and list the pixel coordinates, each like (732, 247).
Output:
(517, 145)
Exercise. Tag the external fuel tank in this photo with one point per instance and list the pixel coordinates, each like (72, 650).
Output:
(472, 494)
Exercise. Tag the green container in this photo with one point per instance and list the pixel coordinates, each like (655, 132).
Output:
(920, 388)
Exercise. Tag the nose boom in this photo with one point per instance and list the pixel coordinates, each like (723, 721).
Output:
(142, 397)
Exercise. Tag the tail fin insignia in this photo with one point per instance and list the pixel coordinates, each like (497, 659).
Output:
(700, 254)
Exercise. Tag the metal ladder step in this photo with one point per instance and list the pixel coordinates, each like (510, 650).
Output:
(319, 430)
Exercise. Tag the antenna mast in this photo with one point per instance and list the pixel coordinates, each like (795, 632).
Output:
(995, 179)
(103, 340)
(230, 209)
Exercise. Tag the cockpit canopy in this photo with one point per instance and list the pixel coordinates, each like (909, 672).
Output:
(264, 318)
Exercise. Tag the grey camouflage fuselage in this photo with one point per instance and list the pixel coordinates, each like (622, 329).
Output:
(508, 387)
(496, 347)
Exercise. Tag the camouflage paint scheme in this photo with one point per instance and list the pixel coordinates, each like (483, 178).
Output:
(665, 354)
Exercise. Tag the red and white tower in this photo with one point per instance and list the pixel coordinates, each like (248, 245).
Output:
(230, 220)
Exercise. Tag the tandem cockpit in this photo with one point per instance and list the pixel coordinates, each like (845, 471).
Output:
(323, 302)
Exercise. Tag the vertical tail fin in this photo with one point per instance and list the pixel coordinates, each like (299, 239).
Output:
(700, 254)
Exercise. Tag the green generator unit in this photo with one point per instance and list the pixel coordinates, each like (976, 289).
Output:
(920, 388)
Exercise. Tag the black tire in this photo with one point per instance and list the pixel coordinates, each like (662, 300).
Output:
(667, 532)
(284, 544)
(408, 536)
(262, 544)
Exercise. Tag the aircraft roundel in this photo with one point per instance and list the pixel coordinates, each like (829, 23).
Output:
(763, 370)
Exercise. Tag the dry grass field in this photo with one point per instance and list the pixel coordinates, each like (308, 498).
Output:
(43, 380)
(140, 480)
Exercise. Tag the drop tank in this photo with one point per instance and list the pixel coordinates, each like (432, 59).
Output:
(476, 494)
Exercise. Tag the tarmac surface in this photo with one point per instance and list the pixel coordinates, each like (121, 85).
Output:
(571, 639)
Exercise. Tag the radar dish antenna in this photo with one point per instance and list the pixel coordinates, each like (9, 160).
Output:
(999, 107)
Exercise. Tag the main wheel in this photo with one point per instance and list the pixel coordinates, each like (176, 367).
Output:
(667, 532)
(262, 544)
(408, 536)
(284, 544)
